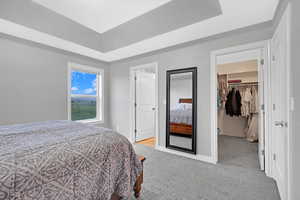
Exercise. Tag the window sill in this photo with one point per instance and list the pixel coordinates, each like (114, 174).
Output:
(91, 121)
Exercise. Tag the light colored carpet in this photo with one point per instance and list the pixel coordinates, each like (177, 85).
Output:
(171, 177)
(238, 152)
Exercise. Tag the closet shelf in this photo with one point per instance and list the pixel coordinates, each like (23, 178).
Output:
(244, 84)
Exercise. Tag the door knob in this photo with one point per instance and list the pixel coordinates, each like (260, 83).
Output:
(280, 124)
(153, 108)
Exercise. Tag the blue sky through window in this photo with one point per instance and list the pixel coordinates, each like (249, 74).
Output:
(84, 83)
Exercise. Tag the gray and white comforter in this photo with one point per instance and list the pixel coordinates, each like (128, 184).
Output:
(181, 116)
(62, 160)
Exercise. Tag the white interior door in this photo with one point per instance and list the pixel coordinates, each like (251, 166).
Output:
(280, 105)
(261, 115)
(145, 105)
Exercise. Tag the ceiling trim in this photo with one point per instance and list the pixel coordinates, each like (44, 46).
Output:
(156, 22)
(26, 33)
(266, 27)
(188, 34)
(34, 16)
(23, 32)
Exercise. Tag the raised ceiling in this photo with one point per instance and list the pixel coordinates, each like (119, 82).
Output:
(115, 29)
(101, 15)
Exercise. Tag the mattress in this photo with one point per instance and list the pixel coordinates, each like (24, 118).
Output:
(65, 160)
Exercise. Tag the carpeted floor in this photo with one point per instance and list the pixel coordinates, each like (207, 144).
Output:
(238, 152)
(171, 177)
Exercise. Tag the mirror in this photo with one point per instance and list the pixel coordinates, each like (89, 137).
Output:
(182, 109)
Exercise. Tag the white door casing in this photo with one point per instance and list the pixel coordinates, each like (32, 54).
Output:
(257, 50)
(261, 120)
(279, 79)
(145, 105)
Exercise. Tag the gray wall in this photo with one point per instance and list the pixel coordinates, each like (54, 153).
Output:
(33, 82)
(295, 72)
(197, 54)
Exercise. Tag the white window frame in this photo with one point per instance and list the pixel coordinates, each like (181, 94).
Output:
(99, 95)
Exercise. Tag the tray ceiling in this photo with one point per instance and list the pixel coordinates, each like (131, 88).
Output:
(101, 15)
(111, 30)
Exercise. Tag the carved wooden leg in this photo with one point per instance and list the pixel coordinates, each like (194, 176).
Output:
(139, 181)
(138, 186)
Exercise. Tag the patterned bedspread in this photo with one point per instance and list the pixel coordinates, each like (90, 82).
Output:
(182, 116)
(62, 160)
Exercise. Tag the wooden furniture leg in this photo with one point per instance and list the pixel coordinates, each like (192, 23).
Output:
(139, 181)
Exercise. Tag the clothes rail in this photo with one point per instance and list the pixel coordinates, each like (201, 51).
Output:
(243, 84)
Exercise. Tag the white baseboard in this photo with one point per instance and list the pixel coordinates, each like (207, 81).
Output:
(199, 157)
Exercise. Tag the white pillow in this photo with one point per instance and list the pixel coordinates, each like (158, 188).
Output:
(184, 106)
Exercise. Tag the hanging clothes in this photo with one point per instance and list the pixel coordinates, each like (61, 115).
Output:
(238, 103)
(246, 99)
(233, 103)
(248, 95)
(222, 86)
(222, 93)
(254, 102)
(219, 102)
(228, 105)
(252, 131)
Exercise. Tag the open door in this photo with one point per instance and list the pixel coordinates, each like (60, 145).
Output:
(261, 115)
(144, 105)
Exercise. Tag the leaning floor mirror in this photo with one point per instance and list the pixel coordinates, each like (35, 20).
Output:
(181, 124)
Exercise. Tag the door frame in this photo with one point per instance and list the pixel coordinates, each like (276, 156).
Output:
(132, 119)
(265, 45)
(285, 22)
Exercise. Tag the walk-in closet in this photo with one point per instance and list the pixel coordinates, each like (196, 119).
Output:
(238, 113)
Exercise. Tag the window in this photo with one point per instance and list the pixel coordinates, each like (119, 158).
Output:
(85, 93)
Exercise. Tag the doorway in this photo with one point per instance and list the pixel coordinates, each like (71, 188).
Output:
(275, 102)
(240, 132)
(144, 98)
(240, 115)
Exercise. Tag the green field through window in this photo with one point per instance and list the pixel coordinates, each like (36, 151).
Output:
(84, 108)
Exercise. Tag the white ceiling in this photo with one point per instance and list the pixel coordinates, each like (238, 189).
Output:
(238, 57)
(238, 67)
(101, 15)
(107, 14)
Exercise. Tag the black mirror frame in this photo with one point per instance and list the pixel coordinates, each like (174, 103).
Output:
(194, 121)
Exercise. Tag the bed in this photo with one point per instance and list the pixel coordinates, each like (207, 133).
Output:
(65, 160)
(181, 120)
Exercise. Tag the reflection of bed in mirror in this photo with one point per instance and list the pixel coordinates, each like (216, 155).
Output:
(181, 110)
(181, 119)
